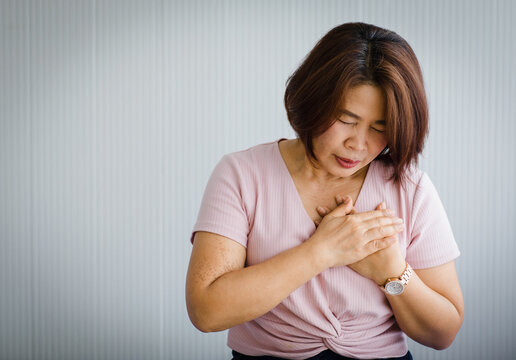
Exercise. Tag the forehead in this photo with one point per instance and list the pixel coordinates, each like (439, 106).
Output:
(365, 101)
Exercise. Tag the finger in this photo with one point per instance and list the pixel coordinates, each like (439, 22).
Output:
(383, 231)
(348, 202)
(381, 206)
(382, 221)
(344, 208)
(394, 238)
(322, 210)
(373, 214)
(339, 199)
(379, 244)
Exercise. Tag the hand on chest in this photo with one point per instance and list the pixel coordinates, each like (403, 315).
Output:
(312, 198)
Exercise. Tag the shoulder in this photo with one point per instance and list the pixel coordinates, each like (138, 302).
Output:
(417, 189)
(256, 151)
(415, 186)
(249, 170)
(413, 176)
(252, 160)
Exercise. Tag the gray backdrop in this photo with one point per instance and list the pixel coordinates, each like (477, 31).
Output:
(114, 113)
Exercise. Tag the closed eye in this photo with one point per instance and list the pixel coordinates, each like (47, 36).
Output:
(347, 123)
(354, 123)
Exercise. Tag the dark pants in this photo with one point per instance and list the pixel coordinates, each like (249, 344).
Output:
(325, 355)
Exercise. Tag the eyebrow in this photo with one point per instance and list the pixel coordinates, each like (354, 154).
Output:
(349, 113)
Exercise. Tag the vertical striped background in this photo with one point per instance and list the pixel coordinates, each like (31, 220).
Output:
(113, 114)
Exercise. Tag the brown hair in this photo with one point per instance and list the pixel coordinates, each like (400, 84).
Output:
(355, 54)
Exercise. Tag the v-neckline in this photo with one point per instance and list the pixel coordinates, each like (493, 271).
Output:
(294, 188)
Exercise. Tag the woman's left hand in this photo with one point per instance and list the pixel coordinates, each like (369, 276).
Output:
(381, 265)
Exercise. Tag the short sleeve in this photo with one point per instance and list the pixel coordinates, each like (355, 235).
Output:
(222, 208)
(432, 241)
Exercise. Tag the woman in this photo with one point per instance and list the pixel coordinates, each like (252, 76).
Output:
(332, 245)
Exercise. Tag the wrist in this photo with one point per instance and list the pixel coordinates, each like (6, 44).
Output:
(392, 271)
(396, 286)
(317, 255)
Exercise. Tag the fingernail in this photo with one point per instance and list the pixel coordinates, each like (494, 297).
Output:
(320, 209)
(339, 198)
(346, 201)
(399, 227)
(398, 221)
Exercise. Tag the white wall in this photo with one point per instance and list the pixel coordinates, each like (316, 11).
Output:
(113, 114)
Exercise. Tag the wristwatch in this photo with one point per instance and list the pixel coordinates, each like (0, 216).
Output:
(395, 286)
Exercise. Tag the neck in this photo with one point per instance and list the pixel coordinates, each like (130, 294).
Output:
(319, 176)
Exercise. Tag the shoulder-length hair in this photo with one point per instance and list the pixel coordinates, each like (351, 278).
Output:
(355, 54)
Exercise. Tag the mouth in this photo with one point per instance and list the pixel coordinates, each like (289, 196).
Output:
(347, 163)
(348, 160)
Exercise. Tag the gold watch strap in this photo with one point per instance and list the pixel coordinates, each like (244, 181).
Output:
(404, 277)
(396, 278)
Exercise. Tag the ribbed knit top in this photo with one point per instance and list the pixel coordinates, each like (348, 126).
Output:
(252, 199)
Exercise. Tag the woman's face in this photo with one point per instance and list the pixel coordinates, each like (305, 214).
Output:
(358, 135)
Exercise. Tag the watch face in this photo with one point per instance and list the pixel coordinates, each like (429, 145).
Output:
(394, 287)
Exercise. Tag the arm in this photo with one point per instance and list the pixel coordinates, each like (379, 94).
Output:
(431, 309)
(219, 290)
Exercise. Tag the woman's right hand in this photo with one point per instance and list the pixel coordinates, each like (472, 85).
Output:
(344, 237)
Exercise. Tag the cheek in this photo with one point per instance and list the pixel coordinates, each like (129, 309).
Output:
(383, 143)
(380, 143)
(327, 138)
(333, 132)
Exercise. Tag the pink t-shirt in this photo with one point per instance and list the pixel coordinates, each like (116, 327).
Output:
(252, 199)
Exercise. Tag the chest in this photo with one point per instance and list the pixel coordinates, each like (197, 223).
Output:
(313, 196)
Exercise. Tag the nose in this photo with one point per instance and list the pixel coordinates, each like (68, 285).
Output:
(358, 140)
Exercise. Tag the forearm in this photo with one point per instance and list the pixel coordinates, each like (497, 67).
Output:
(247, 293)
(426, 316)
